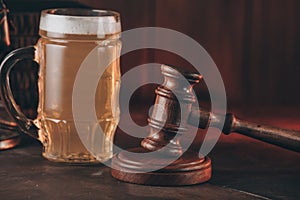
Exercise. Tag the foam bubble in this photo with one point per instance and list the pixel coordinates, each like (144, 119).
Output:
(105, 24)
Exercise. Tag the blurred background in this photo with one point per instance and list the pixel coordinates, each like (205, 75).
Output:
(254, 43)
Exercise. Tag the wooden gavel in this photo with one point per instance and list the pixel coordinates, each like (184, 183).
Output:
(176, 97)
(172, 112)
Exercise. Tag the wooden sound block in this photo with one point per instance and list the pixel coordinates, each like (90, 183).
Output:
(189, 169)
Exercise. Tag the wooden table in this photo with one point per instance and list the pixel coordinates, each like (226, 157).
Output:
(243, 168)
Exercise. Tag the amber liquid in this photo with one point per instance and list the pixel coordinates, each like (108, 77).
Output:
(59, 62)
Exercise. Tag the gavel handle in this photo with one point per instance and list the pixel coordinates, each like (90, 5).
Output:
(289, 139)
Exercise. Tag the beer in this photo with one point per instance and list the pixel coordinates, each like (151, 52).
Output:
(63, 46)
(67, 39)
(60, 61)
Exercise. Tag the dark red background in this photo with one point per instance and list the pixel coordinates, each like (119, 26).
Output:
(254, 43)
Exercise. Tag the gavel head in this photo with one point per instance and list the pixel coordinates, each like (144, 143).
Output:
(174, 99)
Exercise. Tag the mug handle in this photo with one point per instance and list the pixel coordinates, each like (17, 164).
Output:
(25, 124)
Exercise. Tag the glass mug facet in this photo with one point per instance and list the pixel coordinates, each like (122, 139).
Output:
(67, 36)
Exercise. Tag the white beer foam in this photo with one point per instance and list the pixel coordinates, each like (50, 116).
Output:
(85, 25)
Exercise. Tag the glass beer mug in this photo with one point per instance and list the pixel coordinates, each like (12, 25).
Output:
(67, 36)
